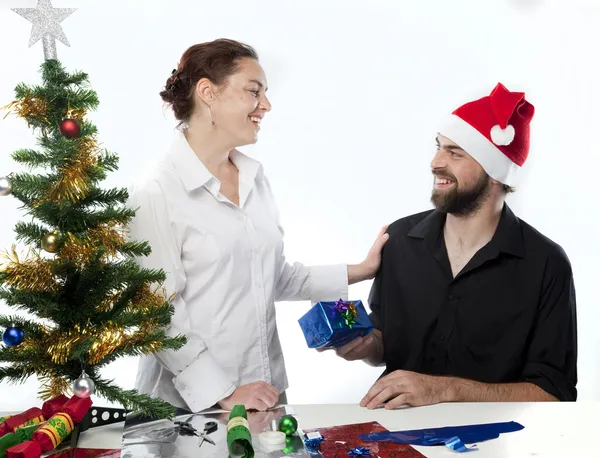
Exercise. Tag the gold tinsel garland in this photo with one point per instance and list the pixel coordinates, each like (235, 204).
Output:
(52, 385)
(80, 249)
(29, 108)
(146, 299)
(74, 182)
(76, 113)
(31, 274)
(106, 339)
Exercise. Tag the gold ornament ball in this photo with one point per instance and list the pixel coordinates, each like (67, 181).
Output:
(50, 242)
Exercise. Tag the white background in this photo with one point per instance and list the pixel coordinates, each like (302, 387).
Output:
(357, 89)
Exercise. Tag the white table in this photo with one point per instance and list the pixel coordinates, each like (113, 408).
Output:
(557, 430)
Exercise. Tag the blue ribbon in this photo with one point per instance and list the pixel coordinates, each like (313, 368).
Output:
(359, 451)
(469, 434)
(313, 444)
(454, 443)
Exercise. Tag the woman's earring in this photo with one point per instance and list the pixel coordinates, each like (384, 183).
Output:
(212, 123)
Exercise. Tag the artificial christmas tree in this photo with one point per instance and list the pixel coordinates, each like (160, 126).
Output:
(87, 302)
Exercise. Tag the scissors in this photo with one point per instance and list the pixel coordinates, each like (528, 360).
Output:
(209, 427)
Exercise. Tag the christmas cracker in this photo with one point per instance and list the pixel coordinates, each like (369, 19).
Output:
(24, 433)
(54, 431)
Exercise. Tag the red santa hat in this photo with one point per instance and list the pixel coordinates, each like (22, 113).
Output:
(494, 130)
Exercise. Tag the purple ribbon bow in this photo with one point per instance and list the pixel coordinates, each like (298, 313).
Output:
(341, 306)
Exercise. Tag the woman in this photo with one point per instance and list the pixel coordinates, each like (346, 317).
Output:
(208, 213)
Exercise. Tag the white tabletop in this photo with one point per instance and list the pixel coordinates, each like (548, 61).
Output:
(557, 430)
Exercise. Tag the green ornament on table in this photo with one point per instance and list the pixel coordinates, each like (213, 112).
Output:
(288, 425)
(293, 444)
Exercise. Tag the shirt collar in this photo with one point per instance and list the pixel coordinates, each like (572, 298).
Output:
(194, 173)
(508, 237)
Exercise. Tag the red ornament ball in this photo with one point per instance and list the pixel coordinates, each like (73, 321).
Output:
(69, 128)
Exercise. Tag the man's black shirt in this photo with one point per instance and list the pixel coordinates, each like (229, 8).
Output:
(508, 316)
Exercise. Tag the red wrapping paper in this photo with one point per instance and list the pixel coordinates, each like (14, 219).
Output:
(9, 425)
(27, 449)
(54, 405)
(339, 440)
(77, 408)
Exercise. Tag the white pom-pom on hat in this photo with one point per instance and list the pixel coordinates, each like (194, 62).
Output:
(502, 136)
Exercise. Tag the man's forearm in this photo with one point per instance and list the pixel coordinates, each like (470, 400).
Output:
(462, 390)
(376, 355)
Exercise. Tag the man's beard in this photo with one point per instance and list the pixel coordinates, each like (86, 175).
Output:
(461, 202)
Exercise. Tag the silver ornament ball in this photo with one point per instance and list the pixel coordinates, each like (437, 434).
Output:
(84, 386)
(5, 186)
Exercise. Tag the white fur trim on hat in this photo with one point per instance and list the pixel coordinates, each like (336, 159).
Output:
(494, 161)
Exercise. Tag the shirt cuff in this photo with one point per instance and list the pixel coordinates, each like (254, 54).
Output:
(203, 383)
(328, 283)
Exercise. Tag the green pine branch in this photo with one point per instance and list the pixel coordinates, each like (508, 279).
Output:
(42, 304)
(135, 249)
(17, 373)
(72, 219)
(54, 74)
(108, 161)
(23, 356)
(58, 147)
(102, 198)
(161, 316)
(139, 404)
(28, 187)
(32, 158)
(30, 233)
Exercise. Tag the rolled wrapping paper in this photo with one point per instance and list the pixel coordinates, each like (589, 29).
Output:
(29, 417)
(20, 435)
(54, 431)
(239, 438)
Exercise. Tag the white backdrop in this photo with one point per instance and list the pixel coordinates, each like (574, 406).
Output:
(357, 88)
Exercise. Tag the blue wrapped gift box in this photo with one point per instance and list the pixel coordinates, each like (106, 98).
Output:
(333, 324)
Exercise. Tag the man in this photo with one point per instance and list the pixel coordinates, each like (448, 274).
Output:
(471, 303)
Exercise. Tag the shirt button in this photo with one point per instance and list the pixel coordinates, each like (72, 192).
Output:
(442, 337)
(255, 250)
(259, 285)
(451, 297)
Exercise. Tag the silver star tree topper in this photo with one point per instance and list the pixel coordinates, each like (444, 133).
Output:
(46, 25)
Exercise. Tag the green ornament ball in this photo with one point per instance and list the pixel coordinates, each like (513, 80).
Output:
(288, 425)
(293, 444)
